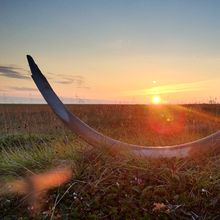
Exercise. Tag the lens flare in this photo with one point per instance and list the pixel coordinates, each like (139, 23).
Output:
(166, 120)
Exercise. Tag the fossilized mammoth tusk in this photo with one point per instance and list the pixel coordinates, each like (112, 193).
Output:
(95, 138)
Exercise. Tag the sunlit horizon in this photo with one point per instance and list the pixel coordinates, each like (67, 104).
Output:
(111, 52)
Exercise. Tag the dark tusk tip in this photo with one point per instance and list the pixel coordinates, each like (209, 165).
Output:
(30, 59)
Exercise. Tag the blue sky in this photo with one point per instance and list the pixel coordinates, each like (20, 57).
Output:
(112, 50)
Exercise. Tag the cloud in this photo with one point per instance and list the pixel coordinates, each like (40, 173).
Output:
(13, 72)
(77, 81)
(172, 88)
(65, 81)
(27, 89)
(175, 88)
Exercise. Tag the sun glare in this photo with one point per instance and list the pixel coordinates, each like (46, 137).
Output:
(156, 100)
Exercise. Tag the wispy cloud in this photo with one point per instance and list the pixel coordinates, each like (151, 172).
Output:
(13, 72)
(26, 89)
(76, 80)
(172, 88)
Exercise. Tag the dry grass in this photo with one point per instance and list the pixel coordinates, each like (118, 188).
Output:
(105, 186)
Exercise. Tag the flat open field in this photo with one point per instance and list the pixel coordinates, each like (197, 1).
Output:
(105, 186)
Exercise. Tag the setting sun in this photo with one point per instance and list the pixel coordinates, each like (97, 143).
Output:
(156, 100)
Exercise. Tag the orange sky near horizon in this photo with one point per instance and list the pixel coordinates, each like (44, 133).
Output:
(116, 81)
(112, 52)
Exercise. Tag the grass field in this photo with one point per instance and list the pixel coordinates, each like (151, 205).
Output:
(105, 186)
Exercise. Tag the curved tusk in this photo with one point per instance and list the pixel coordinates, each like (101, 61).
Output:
(95, 138)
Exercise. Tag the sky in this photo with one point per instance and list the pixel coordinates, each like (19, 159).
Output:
(118, 51)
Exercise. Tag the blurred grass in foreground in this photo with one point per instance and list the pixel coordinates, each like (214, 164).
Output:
(33, 141)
